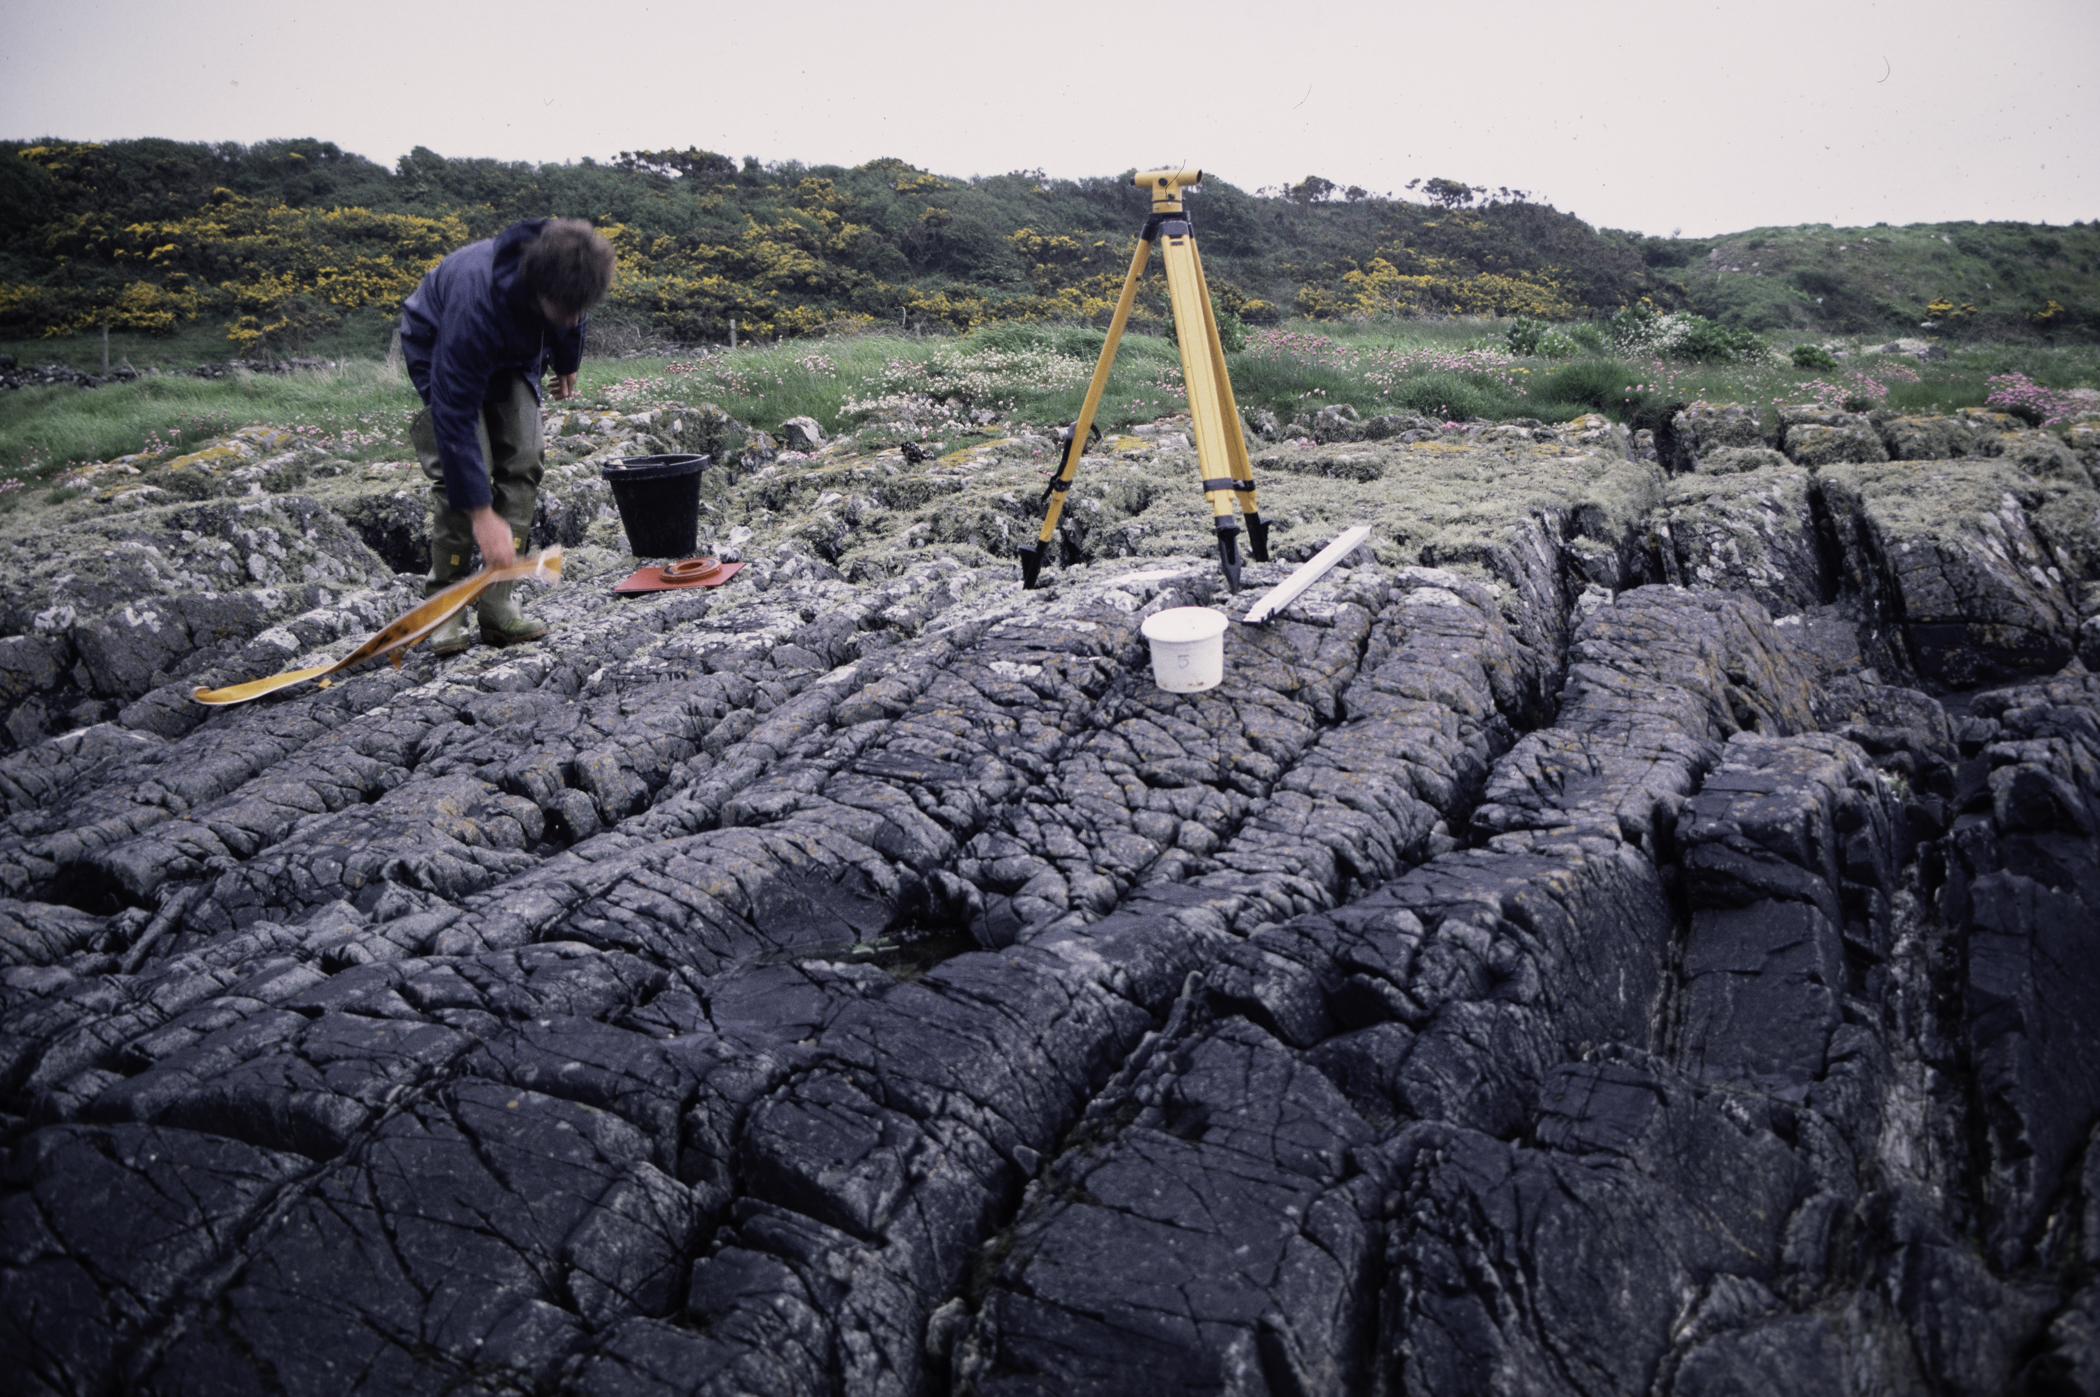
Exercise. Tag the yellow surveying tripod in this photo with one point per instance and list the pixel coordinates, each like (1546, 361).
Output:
(1221, 449)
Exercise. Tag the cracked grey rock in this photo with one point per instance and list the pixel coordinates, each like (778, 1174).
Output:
(1557, 1263)
(1811, 437)
(111, 606)
(1951, 557)
(1519, 975)
(1753, 534)
(1213, 1193)
(1789, 870)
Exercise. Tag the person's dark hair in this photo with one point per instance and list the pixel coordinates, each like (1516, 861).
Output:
(568, 265)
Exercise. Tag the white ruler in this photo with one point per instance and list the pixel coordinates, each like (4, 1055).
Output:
(1309, 572)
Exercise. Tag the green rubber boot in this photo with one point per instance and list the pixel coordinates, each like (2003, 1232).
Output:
(501, 621)
(457, 633)
(451, 546)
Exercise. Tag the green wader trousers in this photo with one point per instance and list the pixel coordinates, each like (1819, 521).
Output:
(509, 434)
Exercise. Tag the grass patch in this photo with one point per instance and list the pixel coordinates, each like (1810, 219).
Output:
(1591, 385)
(1447, 370)
(1994, 279)
(1030, 375)
(359, 334)
(1033, 375)
(763, 385)
(1144, 383)
(1640, 392)
(193, 343)
(361, 409)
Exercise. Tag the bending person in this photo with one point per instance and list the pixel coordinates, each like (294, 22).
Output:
(477, 335)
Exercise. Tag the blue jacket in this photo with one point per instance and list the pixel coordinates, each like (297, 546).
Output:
(464, 331)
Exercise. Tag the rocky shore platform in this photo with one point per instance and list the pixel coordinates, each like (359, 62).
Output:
(1635, 930)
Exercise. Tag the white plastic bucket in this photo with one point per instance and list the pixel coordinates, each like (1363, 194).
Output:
(1188, 648)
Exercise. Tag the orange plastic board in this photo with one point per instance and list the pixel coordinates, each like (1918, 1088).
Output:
(399, 636)
(692, 572)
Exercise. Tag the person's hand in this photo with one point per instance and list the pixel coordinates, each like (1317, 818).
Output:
(494, 536)
(564, 386)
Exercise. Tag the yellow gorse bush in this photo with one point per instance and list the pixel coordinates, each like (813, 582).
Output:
(1383, 289)
(262, 259)
(269, 263)
(1075, 278)
(691, 286)
(768, 275)
(774, 250)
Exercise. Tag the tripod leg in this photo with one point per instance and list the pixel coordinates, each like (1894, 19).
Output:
(1032, 558)
(1202, 372)
(1235, 433)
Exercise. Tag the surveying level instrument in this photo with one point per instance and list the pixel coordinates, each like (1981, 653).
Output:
(1221, 448)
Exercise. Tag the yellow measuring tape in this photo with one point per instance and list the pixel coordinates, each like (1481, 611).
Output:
(401, 635)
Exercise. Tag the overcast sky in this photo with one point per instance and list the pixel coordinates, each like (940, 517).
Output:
(1693, 115)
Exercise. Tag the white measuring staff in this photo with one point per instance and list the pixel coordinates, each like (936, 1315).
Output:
(1309, 572)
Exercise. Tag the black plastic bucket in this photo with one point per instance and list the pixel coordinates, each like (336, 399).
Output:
(659, 500)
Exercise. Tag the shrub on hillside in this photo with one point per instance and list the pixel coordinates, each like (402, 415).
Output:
(1641, 329)
(1812, 356)
(1716, 343)
(285, 274)
(1635, 329)
(1537, 339)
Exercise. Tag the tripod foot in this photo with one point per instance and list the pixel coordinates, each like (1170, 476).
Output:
(1229, 556)
(1031, 566)
(1257, 538)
